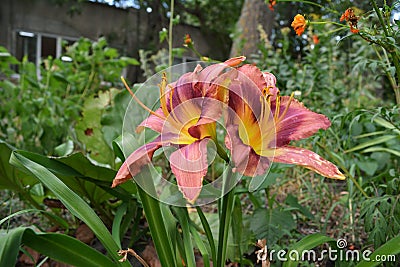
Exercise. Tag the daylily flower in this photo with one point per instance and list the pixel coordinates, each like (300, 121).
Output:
(299, 24)
(261, 124)
(187, 40)
(182, 122)
(349, 16)
(271, 4)
(315, 39)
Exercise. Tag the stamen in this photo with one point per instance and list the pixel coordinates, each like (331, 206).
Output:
(140, 102)
(287, 107)
(277, 107)
(163, 101)
(262, 99)
(171, 92)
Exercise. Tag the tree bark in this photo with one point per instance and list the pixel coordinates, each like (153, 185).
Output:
(254, 14)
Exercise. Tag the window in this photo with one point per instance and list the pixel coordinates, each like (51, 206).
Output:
(38, 46)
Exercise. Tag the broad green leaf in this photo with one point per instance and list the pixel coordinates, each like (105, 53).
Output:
(64, 149)
(75, 171)
(60, 220)
(76, 205)
(389, 249)
(89, 128)
(271, 224)
(130, 60)
(65, 249)
(9, 246)
(369, 167)
(294, 202)
(10, 177)
(307, 243)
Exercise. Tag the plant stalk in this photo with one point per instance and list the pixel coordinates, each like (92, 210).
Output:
(224, 220)
(154, 217)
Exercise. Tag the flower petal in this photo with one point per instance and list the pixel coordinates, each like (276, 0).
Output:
(254, 74)
(298, 122)
(183, 89)
(246, 161)
(189, 164)
(307, 159)
(153, 122)
(210, 73)
(214, 102)
(133, 164)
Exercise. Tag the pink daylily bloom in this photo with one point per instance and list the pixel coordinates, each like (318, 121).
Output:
(183, 122)
(261, 124)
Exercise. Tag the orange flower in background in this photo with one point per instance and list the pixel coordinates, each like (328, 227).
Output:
(299, 24)
(315, 39)
(349, 16)
(188, 40)
(271, 4)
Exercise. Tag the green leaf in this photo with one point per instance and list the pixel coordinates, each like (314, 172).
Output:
(116, 233)
(379, 140)
(183, 219)
(392, 247)
(307, 243)
(65, 249)
(271, 224)
(369, 167)
(9, 246)
(294, 202)
(60, 220)
(381, 149)
(130, 60)
(65, 148)
(207, 230)
(10, 177)
(89, 128)
(152, 210)
(237, 227)
(200, 244)
(78, 173)
(76, 205)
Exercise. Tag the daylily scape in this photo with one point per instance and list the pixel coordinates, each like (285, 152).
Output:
(259, 123)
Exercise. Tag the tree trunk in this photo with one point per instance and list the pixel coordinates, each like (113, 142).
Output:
(255, 14)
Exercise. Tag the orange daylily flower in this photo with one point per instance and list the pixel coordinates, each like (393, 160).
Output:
(315, 39)
(182, 122)
(188, 40)
(349, 16)
(299, 24)
(260, 125)
(271, 4)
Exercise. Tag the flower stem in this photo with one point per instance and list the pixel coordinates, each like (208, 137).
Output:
(393, 54)
(225, 219)
(311, 3)
(154, 217)
(171, 25)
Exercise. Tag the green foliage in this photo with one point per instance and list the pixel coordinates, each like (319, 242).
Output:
(272, 224)
(57, 246)
(73, 107)
(39, 114)
(381, 213)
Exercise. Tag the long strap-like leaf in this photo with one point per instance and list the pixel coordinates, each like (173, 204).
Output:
(75, 204)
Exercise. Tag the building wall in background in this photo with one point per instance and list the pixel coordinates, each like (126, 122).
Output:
(38, 27)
